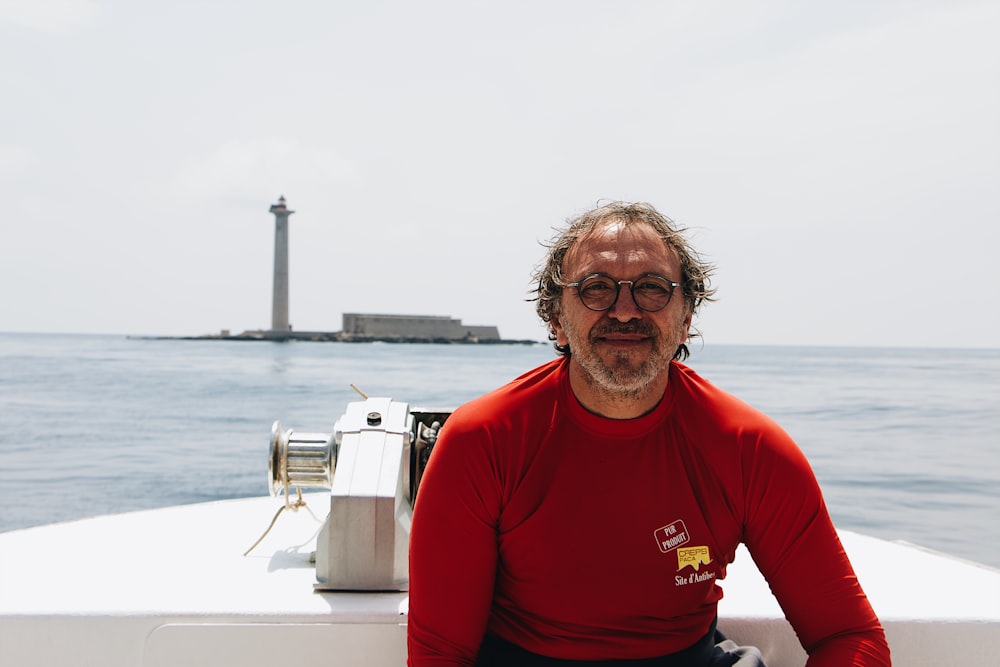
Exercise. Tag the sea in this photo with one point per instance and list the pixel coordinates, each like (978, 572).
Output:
(905, 442)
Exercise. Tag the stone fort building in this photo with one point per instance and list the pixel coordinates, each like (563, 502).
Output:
(358, 326)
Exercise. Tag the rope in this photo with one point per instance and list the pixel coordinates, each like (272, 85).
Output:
(295, 506)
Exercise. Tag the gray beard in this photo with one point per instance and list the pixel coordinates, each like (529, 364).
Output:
(619, 380)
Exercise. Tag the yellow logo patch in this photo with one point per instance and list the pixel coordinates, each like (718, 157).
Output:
(693, 556)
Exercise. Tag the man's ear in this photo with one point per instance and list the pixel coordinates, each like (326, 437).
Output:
(687, 326)
(561, 339)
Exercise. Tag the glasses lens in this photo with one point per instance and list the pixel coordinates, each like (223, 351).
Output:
(652, 293)
(598, 292)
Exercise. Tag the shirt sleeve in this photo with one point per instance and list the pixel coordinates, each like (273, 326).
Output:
(791, 537)
(453, 550)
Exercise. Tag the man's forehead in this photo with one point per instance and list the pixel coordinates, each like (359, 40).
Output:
(616, 240)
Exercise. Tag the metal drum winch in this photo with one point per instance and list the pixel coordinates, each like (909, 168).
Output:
(372, 464)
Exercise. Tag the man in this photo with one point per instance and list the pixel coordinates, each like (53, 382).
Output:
(585, 512)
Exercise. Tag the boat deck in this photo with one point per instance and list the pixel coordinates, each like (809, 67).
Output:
(172, 586)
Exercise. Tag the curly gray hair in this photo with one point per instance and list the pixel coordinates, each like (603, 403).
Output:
(549, 278)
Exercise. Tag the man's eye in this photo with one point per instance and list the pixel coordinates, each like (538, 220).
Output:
(651, 287)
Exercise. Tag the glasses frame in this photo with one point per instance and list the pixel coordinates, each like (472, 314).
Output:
(618, 291)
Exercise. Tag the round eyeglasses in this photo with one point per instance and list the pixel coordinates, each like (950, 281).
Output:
(600, 292)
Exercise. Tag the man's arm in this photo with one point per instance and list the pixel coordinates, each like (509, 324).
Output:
(453, 554)
(789, 533)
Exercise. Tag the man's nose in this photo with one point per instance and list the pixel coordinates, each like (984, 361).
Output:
(624, 308)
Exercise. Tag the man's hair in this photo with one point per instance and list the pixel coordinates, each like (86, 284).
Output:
(548, 276)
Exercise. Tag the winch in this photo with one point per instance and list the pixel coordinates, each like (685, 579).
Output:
(372, 463)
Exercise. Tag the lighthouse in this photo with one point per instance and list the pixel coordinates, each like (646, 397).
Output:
(279, 304)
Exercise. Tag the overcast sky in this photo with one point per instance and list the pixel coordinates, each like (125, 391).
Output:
(838, 161)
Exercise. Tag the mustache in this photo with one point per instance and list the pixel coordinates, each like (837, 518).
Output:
(631, 327)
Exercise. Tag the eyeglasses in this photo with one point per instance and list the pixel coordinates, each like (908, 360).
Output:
(600, 292)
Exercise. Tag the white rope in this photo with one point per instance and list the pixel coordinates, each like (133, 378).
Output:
(295, 506)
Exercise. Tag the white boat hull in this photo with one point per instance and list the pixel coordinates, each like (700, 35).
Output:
(172, 587)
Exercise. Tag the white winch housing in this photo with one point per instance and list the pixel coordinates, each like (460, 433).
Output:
(371, 464)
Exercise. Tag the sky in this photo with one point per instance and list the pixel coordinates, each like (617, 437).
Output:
(838, 162)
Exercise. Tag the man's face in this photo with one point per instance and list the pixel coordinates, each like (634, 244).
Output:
(623, 349)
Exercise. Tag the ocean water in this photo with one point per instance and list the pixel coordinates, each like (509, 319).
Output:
(904, 442)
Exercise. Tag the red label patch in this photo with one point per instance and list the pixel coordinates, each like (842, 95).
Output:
(671, 536)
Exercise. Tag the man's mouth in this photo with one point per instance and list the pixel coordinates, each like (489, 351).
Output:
(623, 335)
(623, 338)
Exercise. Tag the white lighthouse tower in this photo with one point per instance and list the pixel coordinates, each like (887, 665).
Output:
(279, 304)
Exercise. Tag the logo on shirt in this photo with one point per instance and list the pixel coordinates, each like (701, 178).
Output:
(671, 536)
(693, 556)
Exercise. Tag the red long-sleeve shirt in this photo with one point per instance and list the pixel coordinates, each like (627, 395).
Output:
(585, 538)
